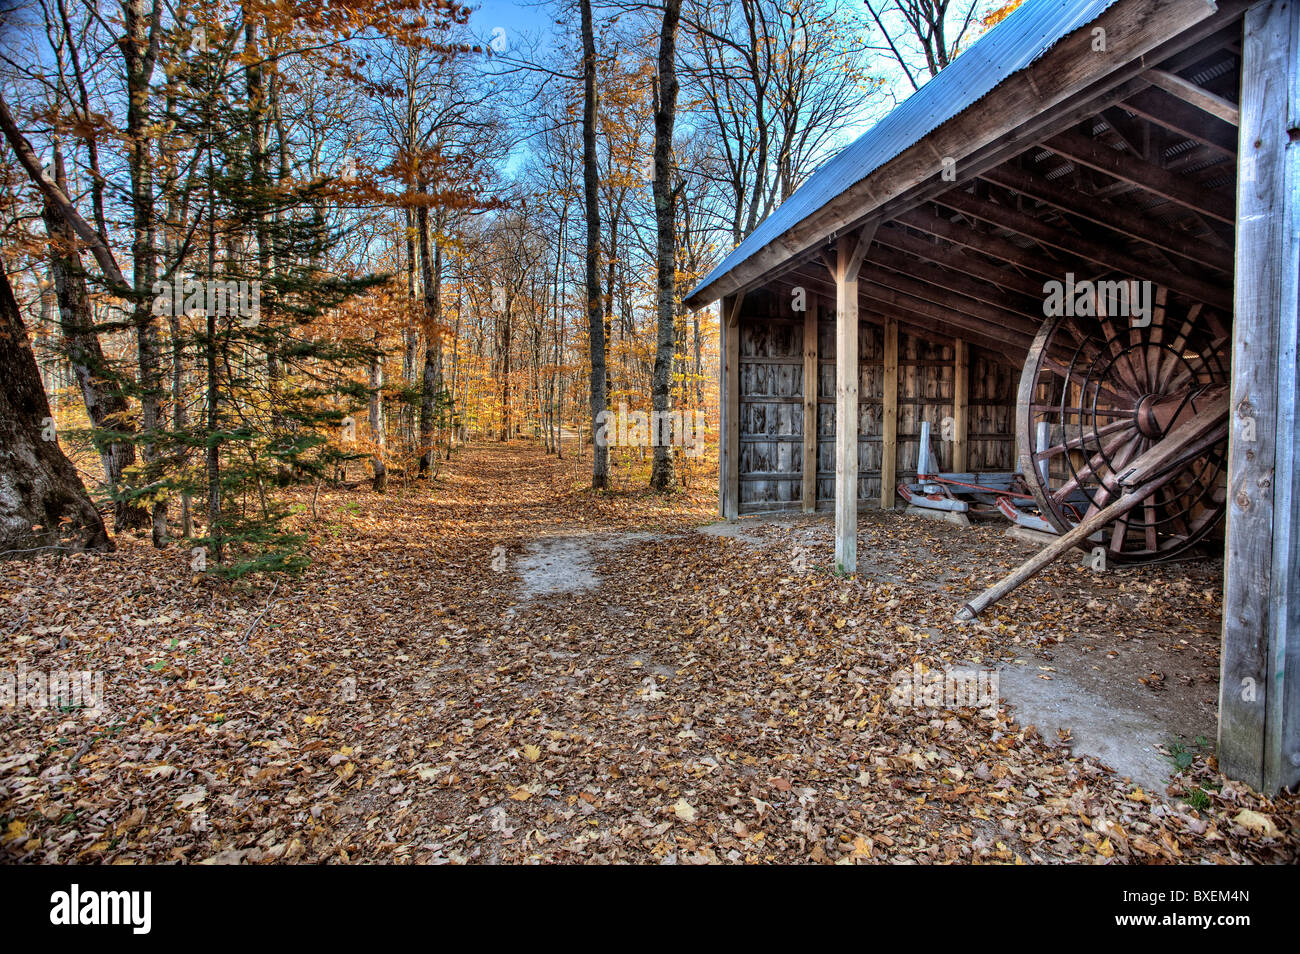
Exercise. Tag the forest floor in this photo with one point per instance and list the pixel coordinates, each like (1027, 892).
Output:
(508, 667)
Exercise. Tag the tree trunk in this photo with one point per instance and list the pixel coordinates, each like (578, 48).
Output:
(42, 500)
(212, 455)
(137, 49)
(431, 379)
(507, 343)
(661, 473)
(455, 367)
(380, 482)
(591, 184)
(105, 404)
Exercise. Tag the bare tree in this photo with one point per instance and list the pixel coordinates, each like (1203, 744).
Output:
(775, 86)
(928, 31)
(665, 200)
(591, 193)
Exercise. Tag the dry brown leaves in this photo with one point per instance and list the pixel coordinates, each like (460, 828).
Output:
(708, 699)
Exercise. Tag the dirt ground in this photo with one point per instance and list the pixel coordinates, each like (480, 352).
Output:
(1128, 692)
(506, 667)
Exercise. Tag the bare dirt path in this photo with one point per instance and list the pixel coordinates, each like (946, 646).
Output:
(432, 690)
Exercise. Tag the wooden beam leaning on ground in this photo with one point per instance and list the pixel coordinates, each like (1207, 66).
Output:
(1139, 480)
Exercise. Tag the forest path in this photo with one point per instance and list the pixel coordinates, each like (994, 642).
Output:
(705, 699)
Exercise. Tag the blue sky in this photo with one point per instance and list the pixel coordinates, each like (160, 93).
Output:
(531, 19)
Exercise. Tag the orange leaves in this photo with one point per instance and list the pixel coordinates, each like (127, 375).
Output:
(694, 701)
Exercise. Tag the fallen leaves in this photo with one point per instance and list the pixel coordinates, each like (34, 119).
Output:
(698, 702)
(1257, 823)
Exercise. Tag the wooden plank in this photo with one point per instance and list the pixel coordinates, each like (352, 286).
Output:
(1259, 692)
(960, 397)
(1070, 243)
(889, 420)
(851, 249)
(1193, 95)
(1097, 155)
(731, 411)
(810, 370)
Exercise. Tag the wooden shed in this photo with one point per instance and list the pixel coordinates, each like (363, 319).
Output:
(928, 273)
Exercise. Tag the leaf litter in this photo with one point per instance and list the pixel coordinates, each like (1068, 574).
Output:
(707, 699)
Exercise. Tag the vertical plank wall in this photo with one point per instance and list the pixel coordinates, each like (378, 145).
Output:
(771, 405)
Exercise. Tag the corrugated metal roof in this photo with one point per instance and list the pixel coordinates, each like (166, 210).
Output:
(1015, 43)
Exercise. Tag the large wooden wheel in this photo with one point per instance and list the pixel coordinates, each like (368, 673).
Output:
(1098, 391)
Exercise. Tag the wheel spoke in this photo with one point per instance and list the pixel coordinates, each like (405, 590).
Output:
(1076, 443)
(1122, 446)
(1074, 377)
(1118, 353)
(1088, 383)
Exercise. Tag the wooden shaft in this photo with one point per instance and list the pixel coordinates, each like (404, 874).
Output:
(1039, 560)
(1146, 475)
(731, 410)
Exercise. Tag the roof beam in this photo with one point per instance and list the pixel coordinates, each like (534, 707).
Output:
(951, 312)
(1118, 218)
(934, 325)
(1009, 350)
(952, 256)
(1194, 95)
(1097, 155)
(1197, 288)
(1157, 106)
(915, 274)
(995, 246)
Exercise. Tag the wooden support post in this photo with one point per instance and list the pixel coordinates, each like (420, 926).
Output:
(810, 406)
(960, 403)
(889, 423)
(729, 436)
(852, 249)
(1259, 683)
(724, 464)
